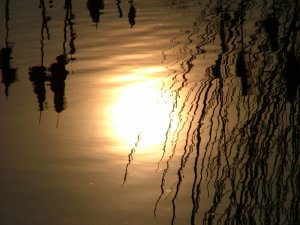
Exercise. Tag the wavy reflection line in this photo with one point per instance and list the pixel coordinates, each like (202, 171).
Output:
(186, 154)
(235, 121)
(176, 133)
(119, 8)
(130, 157)
(249, 163)
(180, 126)
(195, 193)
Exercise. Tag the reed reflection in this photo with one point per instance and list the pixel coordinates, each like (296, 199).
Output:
(119, 8)
(57, 79)
(37, 74)
(95, 8)
(131, 14)
(58, 71)
(241, 135)
(8, 73)
(56, 74)
(69, 23)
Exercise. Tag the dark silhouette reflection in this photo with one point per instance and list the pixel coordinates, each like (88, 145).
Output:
(58, 77)
(38, 77)
(225, 35)
(290, 52)
(37, 74)
(95, 8)
(8, 73)
(243, 150)
(271, 25)
(241, 66)
(242, 72)
(58, 71)
(131, 14)
(291, 74)
(119, 8)
(231, 34)
(56, 74)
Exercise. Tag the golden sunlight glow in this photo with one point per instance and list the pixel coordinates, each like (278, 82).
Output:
(141, 115)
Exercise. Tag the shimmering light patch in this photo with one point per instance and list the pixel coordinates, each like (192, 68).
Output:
(141, 115)
(138, 74)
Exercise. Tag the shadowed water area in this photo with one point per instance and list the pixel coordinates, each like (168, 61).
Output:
(165, 112)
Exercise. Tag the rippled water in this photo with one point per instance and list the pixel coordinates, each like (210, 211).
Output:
(149, 112)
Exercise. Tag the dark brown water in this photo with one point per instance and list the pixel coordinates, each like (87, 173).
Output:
(149, 112)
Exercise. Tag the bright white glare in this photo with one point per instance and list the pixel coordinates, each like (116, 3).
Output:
(142, 114)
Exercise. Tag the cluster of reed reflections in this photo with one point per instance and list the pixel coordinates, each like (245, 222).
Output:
(56, 73)
(239, 118)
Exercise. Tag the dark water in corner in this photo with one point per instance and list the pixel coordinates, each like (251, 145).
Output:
(149, 112)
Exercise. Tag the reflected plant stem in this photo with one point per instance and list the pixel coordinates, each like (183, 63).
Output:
(166, 139)
(179, 128)
(6, 22)
(68, 22)
(130, 157)
(119, 8)
(131, 14)
(251, 160)
(186, 154)
(45, 21)
(8, 73)
(37, 74)
(162, 189)
(246, 147)
(195, 196)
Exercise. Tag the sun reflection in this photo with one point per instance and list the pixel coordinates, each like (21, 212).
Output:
(142, 113)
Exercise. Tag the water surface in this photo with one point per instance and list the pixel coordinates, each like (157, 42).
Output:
(149, 112)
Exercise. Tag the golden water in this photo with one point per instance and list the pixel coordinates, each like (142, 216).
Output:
(155, 112)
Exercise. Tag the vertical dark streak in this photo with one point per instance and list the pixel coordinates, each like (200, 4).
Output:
(6, 22)
(195, 188)
(8, 73)
(130, 157)
(119, 8)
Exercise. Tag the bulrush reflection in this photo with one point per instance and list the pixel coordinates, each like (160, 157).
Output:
(8, 73)
(37, 74)
(58, 77)
(38, 77)
(131, 14)
(95, 8)
(57, 73)
(243, 150)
